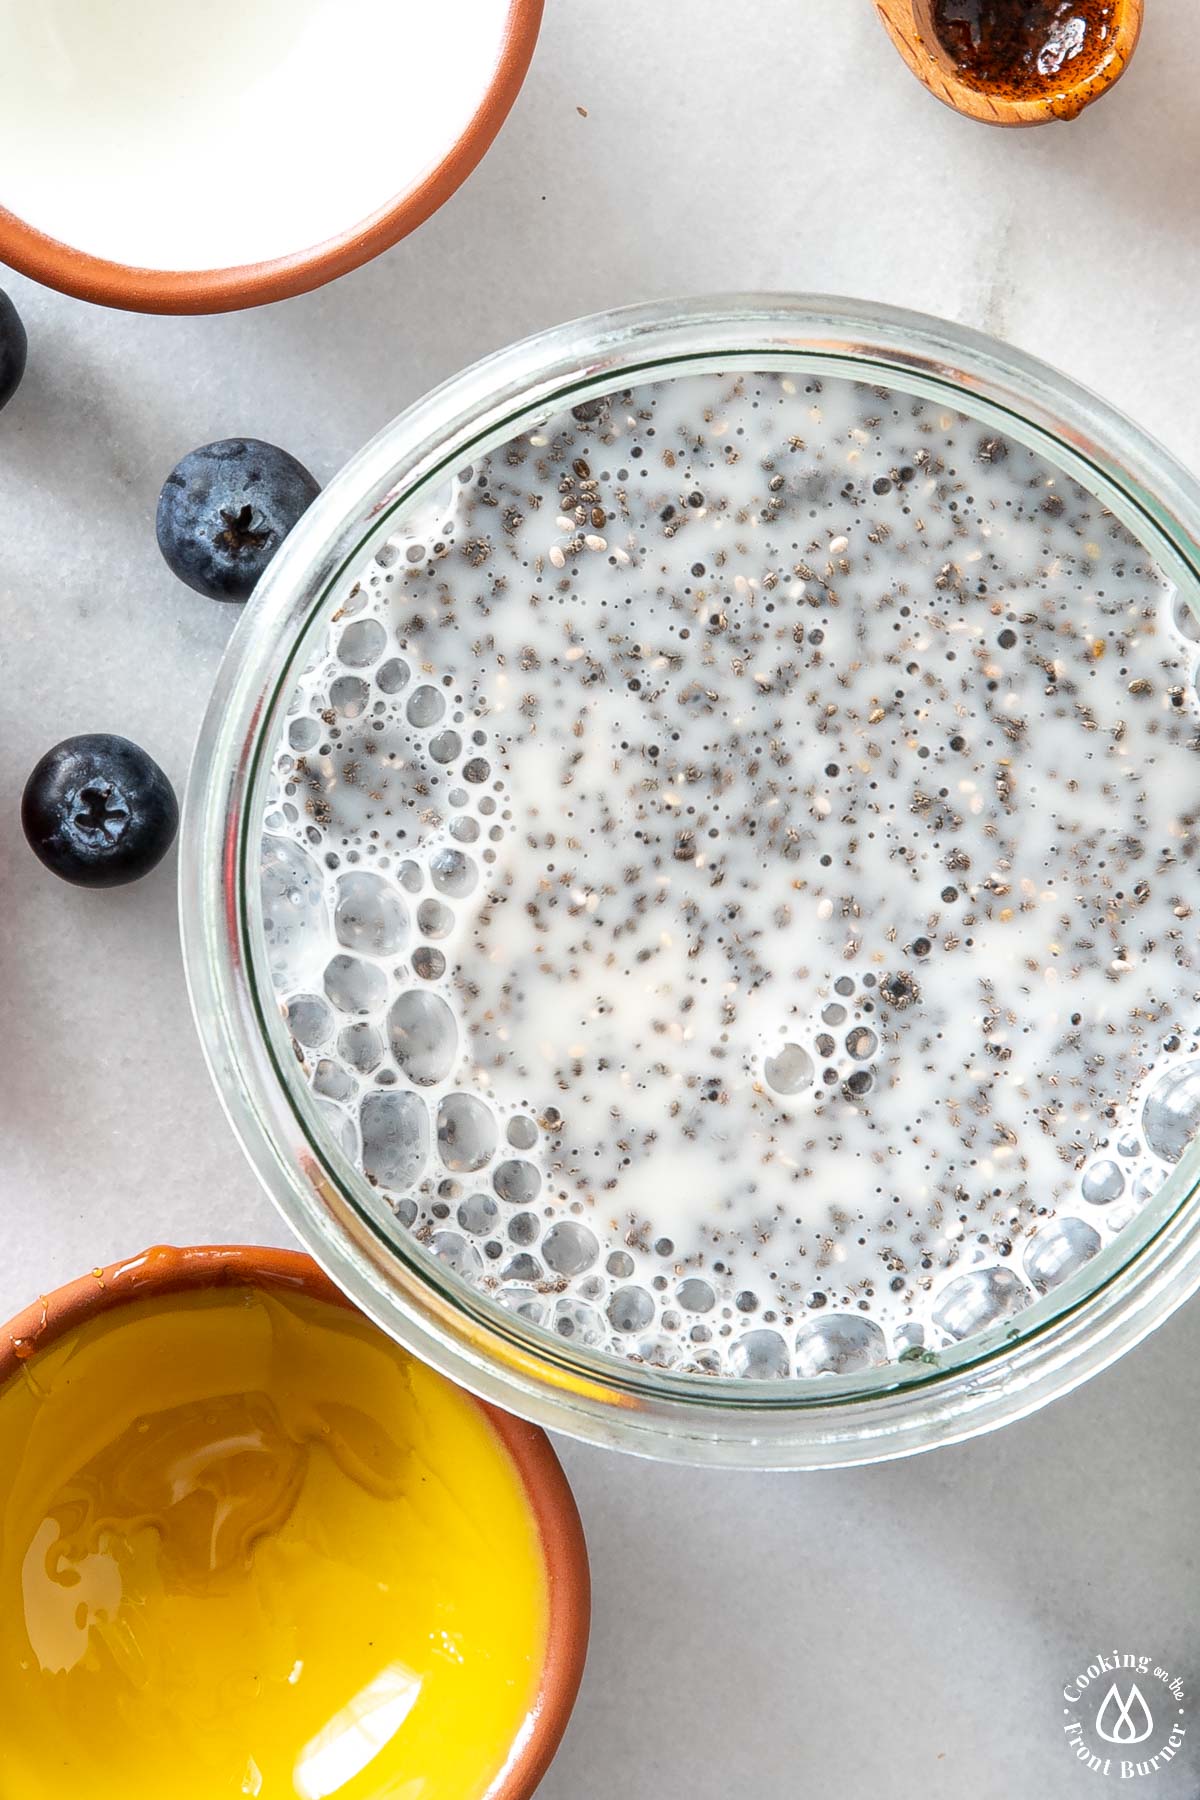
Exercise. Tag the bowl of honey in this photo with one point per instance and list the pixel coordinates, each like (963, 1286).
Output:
(252, 1547)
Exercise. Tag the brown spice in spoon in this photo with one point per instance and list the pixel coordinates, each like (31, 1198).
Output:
(1024, 48)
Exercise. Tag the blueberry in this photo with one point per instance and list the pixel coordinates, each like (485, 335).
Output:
(98, 811)
(224, 511)
(13, 345)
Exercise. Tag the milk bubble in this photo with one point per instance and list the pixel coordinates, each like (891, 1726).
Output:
(478, 1214)
(354, 986)
(310, 1020)
(578, 1322)
(294, 910)
(841, 1344)
(423, 1036)
(789, 1070)
(1104, 1182)
(1171, 1116)
(453, 873)
(434, 920)
(425, 706)
(630, 1309)
(362, 642)
(452, 1249)
(332, 1079)
(466, 1132)
(395, 1138)
(340, 1128)
(760, 1355)
(570, 1248)
(348, 695)
(975, 1301)
(368, 915)
(516, 1181)
(361, 1048)
(445, 746)
(522, 1133)
(695, 1295)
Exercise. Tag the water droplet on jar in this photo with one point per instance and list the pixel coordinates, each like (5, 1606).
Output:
(695, 1295)
(392, 676)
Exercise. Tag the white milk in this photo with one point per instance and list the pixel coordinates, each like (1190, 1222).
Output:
(222, 132)
(736, 870)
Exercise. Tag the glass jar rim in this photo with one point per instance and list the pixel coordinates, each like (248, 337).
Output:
(1133, 1284)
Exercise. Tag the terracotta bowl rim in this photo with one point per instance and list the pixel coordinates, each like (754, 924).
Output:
(87, 277)
(167, 1269)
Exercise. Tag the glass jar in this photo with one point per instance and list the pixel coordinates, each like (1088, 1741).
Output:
(1001, 1374)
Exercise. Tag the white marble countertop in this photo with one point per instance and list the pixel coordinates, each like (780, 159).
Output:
(903, 1631)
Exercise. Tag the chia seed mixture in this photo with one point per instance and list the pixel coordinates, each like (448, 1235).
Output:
(728, 871)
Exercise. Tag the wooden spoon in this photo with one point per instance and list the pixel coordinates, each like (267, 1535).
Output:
(910, 25)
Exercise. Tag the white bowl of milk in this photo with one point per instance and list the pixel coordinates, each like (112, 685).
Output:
(198, 159)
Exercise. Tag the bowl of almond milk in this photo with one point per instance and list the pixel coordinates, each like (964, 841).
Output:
(169, 159)
(687, 881)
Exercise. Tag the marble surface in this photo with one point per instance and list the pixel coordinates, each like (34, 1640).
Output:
(903, 1631)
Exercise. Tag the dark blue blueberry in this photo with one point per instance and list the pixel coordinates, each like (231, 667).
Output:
(98, 811)
(13, 345)
(225, 510)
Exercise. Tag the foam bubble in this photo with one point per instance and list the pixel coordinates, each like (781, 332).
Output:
(423, 1036)
(369, 915)
(466, 1132)
(395, 1138)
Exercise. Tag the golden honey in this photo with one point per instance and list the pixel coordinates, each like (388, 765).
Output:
(249, 1547)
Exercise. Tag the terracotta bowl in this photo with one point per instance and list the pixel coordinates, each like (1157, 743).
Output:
(91, 277)
(165, 1270)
